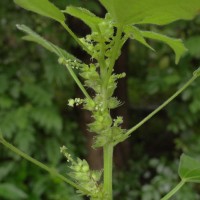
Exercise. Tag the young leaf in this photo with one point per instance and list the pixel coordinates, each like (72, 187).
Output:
(151, 11)
(176, 44)
(42, 7)
(85, 15)
(34, 37)
(189, 169)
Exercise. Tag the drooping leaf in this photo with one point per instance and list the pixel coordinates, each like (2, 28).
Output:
(34, 37)
(134, 33)
(12, 192)
(42, 7)
(189, 169)
(85, 15)
(158, 12)
(176, 44)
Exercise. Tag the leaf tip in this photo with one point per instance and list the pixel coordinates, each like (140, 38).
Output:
(19, 26)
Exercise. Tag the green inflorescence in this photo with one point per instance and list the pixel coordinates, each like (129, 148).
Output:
(81, 173)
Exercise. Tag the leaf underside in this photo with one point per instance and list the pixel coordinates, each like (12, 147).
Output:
(151, 11)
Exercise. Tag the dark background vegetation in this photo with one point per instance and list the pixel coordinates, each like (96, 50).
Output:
(35, 117)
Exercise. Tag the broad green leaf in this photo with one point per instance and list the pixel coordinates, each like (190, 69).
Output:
(85, 15)
(158, 12)
(134, 33)
(34, 37)
(42, 7)
(10, 191)
(176, 44)
(189, 169)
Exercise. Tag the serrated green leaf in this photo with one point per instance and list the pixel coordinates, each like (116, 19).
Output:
(85, 15)
(34, 37)
(189, 169)
(151, 11)
(48, 118)
(10, 191)
(42, 7)
(134, 33)
(37, 95)
(176, 44)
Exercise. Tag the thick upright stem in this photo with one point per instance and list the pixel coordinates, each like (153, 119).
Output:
(108, 167)
(108, 148)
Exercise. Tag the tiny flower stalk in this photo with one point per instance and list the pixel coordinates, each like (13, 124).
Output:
(52, 171)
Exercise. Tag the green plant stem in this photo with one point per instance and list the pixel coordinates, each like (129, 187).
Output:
(160, 107)
(108, 148)
(78, 82)
(41, 165)
(75, 38)
(108, 165)
(173, 191)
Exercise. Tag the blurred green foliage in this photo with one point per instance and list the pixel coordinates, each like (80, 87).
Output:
(34, 91)
(157, 145)
(33, 111)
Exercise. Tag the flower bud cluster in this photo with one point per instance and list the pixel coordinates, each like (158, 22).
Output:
(74, 64)
(80, 172)
(119, 76)
(76, 101)
(118, 121)
(102, 35)
(100, 43)
(91, 75)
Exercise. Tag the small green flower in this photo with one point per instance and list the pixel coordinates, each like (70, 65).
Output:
(71, 102)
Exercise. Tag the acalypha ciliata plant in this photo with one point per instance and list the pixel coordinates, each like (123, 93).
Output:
(103, 44)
